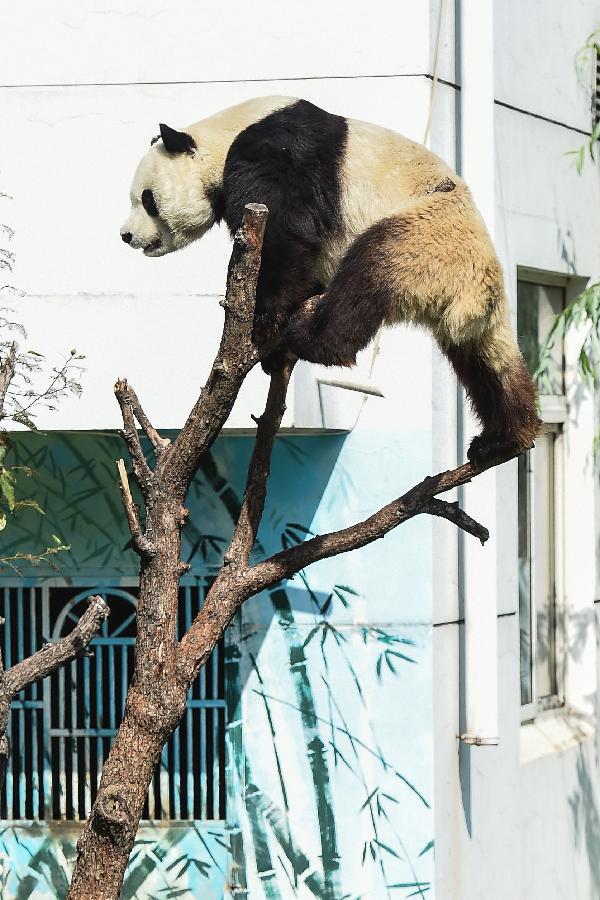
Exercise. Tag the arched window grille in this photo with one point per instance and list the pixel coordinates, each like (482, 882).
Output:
(61, 729)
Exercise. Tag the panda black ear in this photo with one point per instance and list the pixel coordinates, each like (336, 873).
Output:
(176, 141)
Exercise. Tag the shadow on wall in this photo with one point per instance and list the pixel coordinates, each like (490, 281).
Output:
(586, 820)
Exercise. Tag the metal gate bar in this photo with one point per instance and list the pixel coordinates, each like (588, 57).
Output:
(60, 730)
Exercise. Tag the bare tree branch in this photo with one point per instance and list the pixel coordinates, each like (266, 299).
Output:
(52, 656)
(143, 472)
(44, 663)
(141, 544)
(454, 513)
(418, 500)
(228, 593)
(158, 442)
(253, 503)
(237, 354)
(131, 409)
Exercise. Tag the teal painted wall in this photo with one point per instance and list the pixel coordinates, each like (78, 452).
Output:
(330, 758)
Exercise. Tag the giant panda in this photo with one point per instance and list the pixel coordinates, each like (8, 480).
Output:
(369, 227)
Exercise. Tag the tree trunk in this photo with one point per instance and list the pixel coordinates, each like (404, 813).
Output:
(155, 704)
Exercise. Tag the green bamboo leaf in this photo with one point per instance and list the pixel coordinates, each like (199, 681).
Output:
(343, 600)
(401, 656)
(311, 635)
(346, 589)
(337, 753)
(175, 862)
(427, 848)
(184, 868)
(368, 800)
(202, 866)
(327, 605)
(297, 527)
(387, 848)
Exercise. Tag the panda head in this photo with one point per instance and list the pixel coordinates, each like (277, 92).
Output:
(172, 195)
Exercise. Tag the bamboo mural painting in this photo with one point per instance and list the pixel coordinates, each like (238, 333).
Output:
(327, 796)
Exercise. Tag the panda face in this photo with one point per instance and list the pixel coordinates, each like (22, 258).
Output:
(170, 196)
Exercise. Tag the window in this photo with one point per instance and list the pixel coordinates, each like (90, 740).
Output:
(539, 510)
(60, 730)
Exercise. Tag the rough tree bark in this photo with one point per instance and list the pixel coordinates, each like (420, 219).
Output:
(164, 669)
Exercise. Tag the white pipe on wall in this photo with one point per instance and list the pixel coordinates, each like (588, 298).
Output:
(479, 563)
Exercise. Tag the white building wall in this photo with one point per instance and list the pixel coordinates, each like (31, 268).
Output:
(521, 820)
(83, 87)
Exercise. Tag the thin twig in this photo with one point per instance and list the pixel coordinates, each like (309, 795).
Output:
(142, 470)
(158, 442)
(140, 542)
(458, 516)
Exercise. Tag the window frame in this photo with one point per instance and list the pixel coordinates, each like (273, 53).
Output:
(553, 413)
(529, 711)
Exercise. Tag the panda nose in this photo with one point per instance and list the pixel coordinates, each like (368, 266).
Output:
(127, 237)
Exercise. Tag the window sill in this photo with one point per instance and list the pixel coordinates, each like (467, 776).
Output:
(553, 731)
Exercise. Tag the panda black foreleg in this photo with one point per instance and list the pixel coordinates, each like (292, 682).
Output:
(286, 280)
(502, 395)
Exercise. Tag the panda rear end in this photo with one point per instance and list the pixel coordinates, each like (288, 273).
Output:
(371, 226)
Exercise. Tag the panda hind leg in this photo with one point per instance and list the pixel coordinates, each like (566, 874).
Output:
(331, 328)
(502, 395)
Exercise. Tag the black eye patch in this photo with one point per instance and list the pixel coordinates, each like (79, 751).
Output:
(149, 203)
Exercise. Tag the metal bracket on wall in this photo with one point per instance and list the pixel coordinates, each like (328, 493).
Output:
(476, 741)
(362, 387)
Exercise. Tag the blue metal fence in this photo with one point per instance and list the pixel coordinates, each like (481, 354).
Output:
(60, 730)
